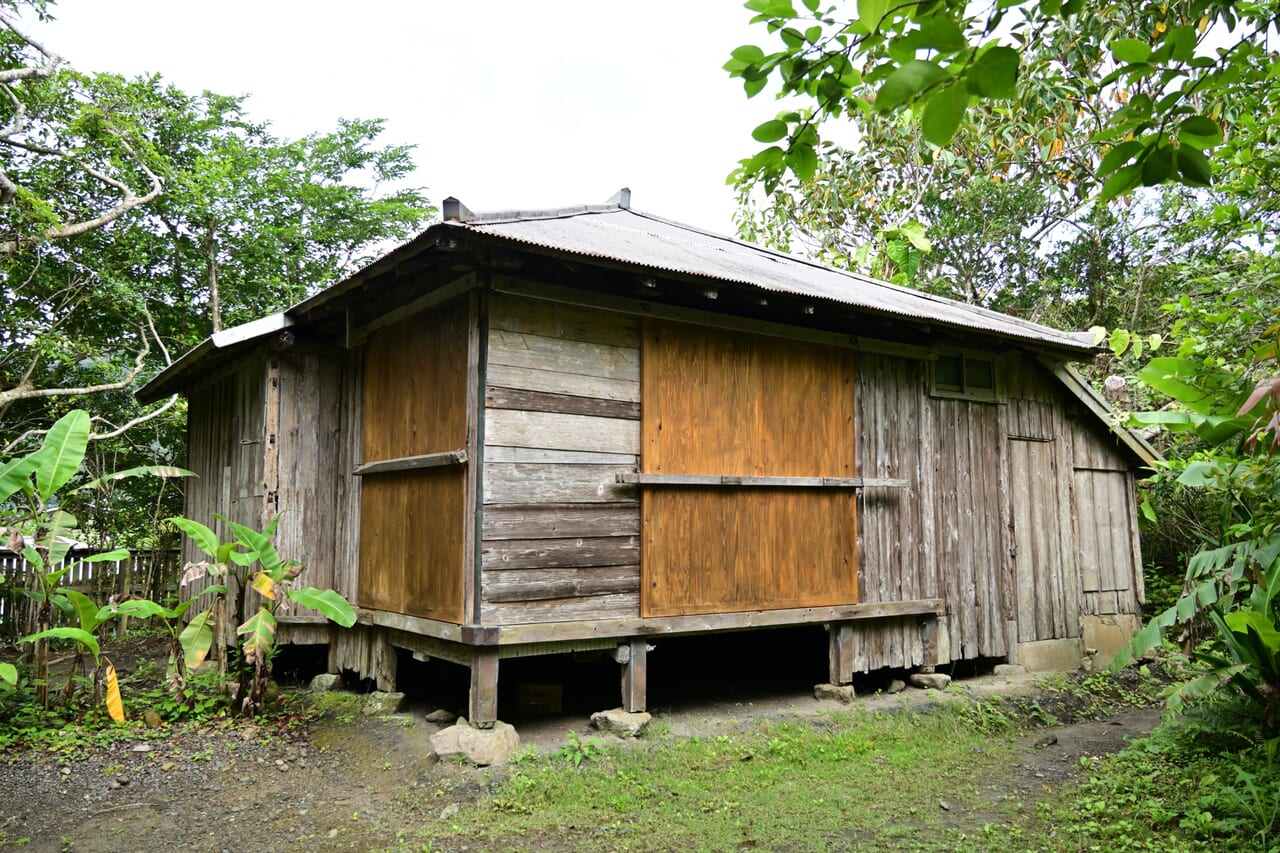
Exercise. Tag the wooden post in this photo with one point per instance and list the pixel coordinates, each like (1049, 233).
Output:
(635, 676)
(840, 654)
(929, 637)
(483, 706)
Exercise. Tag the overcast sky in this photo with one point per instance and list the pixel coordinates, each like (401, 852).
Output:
(511, 104)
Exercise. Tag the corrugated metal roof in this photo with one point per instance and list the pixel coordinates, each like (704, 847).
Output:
(632, 237)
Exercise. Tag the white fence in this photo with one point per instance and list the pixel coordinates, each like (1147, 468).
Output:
(151, 574)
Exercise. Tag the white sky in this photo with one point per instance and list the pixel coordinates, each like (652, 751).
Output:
(511, 104)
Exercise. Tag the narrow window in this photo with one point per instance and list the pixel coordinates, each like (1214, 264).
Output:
(964, 375)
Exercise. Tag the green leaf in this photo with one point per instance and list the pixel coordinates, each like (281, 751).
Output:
(204, 538)
(330, 604)
(1198, 474)
(136, 608)
(62, 452)
(1072, 7)
(871, 13)
(747, 54)
(108, 556)
(995, 73)
(86, 611)
(1128, 51)
(1244, 621)
(1121, 182)
(259, 544)
(802, 160)
(943, 114)
(1157, 166)
(1194, 167)
(197, 638)
(259, 635)
(1120, 340)
(8, 674)
(164, 471)
(942, 34)
(15, 476)
(770, 131)
(79, 635)
(1200, 132)
(915, 234)
(906, 82)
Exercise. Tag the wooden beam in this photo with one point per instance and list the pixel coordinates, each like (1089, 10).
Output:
(840, 657)
(482, 705)
(635, 676)
(412, 463)
(642, 308)
(706, 623)
(765, 482)
(411, 624)
(440, 295)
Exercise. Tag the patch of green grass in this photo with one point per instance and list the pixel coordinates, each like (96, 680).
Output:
(1204, 783)
(849, 780)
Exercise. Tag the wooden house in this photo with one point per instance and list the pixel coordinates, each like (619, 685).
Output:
(536, 432)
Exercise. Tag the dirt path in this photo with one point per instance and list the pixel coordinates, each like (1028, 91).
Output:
(351, 782)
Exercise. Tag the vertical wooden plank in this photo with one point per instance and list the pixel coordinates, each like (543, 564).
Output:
(840, 653)
(635, 676)
(473, 502)
(482, 703)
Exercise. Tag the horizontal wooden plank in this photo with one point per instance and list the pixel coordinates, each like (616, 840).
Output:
(557, 521)
(518, 349)
(412, 624)
(761, 482)
(568, 404)
(561, 611)
(517, 483)
(571, 629)
(410, 463)
(554, 431)
(529, 590)
(638, 307)
(558, 382)
(541, 455)
(562, 321)
(585, 551)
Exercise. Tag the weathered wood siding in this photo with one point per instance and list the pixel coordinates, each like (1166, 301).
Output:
(1105, 510)
(942, 535)
(721, 403)
(226, 437)
(311, 444)
(560, 537)
(412, 523)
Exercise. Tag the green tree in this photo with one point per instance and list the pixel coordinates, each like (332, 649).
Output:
(135, 219)
(1180, 72)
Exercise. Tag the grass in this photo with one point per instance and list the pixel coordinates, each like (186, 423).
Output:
(1207, 782)
(853, 780)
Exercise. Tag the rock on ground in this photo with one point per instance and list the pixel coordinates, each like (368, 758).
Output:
(1007, 669)
(836, 692)
(325, 682)
(484, 747)
(930, 680)
(619, 722)
(381, 704)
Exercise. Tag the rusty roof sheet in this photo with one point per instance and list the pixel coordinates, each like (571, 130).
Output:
(631, 237)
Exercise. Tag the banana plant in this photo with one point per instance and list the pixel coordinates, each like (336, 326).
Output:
(254, 564)
(42, 533)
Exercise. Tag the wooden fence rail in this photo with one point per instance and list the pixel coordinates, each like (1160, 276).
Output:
(150, 574)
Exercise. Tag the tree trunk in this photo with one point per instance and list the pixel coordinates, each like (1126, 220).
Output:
(211, 264)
